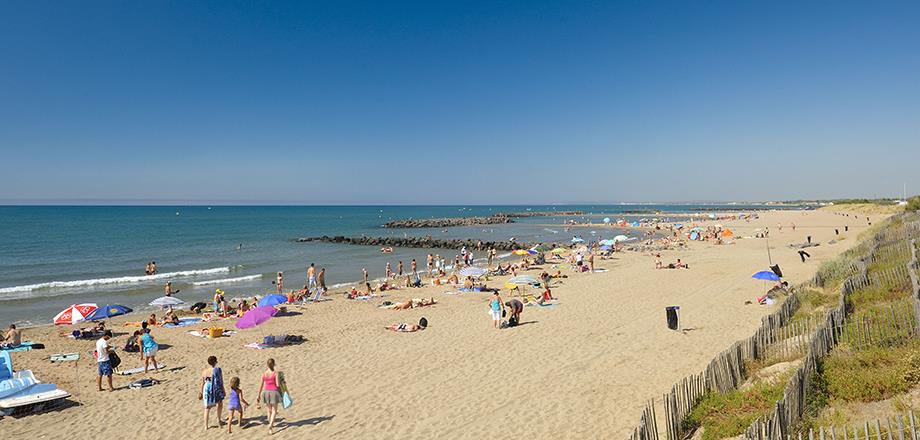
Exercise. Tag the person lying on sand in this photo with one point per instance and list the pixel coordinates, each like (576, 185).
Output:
(415, 302)
(678, 265)
(170, 317)
(422, 324)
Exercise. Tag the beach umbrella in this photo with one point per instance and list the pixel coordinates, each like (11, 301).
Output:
(256, 317)
(766, 275)
(606, 242)
(605, 247)
(577, 240)
(166, 301)
(606, 219)
(520, 252)
(273, 300)
(727, 233)
(620, 238)
(107, 311)
(473, 271)
(524, 279)
(74, 313)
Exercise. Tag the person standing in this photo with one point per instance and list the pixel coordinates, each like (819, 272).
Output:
(399, 269)
(414, 267)
(167, 289)
(103, 360)
(149, 349)
(497, 308)
(490, 256)
(212, 390)
(321, 279)
(364, 270)
(279, 282)
(429, 263)
(311, 276)
(389, 272)
(270, 385)
(591, 261)
(153, 268)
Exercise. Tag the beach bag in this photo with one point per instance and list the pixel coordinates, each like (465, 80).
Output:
(286, 400)
(114, 360)
(143, 383)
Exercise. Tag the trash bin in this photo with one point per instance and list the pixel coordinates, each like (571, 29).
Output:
(673, 314)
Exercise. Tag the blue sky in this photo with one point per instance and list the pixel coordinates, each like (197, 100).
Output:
(466, 102)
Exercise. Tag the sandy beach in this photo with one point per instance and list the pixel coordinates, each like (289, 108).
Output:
(580, 369)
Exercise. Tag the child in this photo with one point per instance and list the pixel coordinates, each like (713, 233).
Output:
(235, 403)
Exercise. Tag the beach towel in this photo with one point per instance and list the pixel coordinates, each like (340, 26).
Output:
(25, 345)
(600, 269)
(204, 335)
(216, 390)
(131, 371)
(258, 346)
(184, 322)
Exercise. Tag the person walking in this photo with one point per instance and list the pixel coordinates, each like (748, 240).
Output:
(212, 390)
(270, 386)
(321, 279)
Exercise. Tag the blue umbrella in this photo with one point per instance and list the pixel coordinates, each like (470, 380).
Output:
(766, 275)
(272, 300)
(605, 247)
(108, 311)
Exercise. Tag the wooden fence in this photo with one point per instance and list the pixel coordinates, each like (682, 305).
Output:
(897, 427)
(789, 409)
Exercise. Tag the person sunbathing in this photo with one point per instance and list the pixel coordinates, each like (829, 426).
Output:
(170, 318)
(468, 283)
(422, 324)
(415, 302)
(152, 320)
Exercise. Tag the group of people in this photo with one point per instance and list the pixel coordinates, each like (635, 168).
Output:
(272, 393)
(150, 268)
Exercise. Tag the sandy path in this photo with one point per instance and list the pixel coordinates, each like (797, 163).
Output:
(581, 369)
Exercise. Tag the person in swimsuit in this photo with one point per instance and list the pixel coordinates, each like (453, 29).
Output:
(321, 279)
(235, 403)
(167, 290)
(406, 328)
(496, 307)
(212, 390)
(13, 337)
(311, 276)
(279, 282)
(269, 392)
(149, 349)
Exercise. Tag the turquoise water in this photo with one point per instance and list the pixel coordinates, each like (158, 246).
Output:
(54, 256)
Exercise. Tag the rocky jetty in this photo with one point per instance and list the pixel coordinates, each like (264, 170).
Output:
(417, 242)
(447, 222)
(539, 214)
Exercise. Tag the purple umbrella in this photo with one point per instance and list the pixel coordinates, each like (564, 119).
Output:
(256, 316)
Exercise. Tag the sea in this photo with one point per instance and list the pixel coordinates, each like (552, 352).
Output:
(55, 256)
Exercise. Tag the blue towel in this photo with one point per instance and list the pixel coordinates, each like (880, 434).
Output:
(26, 345)
(184, 322)
(216, 390)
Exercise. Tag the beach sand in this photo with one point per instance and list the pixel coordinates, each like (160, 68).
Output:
(581, 369)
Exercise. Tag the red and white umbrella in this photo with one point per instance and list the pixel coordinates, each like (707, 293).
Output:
(74, 313)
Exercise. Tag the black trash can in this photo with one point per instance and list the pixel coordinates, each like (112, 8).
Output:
(673, 314)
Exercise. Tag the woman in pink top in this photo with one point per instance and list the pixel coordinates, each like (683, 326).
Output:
(272, 381)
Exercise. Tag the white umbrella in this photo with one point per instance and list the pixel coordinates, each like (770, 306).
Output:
(166, 301)
(620, 238)
(472, 272)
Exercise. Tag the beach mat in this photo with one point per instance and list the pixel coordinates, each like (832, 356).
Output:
(140, 370)
(64, 357)
(24, 346)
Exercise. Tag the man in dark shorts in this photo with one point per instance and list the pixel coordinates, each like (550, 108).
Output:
(515, 307)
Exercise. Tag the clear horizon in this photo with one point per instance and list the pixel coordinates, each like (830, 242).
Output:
(473, 103)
